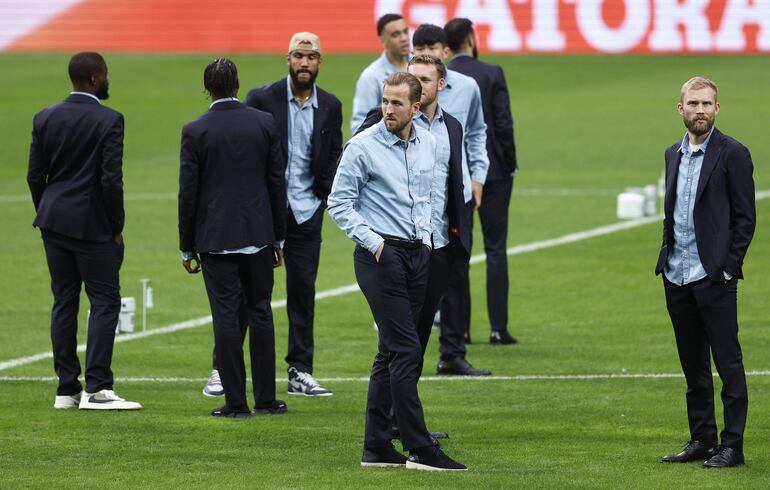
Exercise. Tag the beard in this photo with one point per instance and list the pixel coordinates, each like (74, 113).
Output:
(696, 125)
(398, 127)
(103, 92)
(300, 84)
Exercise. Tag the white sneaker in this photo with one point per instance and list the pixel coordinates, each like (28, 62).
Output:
(305, 384)
(214, 386)
(106, 400)
(63, 402)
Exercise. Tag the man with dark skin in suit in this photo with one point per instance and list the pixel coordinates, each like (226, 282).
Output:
(76, 180)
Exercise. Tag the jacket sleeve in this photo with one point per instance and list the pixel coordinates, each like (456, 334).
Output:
(189, 180)
(37, 173)
(743, 216)
(276, 183)
(503, 120)
(112, 175)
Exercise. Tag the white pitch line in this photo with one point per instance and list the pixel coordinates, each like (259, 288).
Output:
(351, 288)
(363, 379)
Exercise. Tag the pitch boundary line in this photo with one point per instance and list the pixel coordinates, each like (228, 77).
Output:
(521, 377)
(350, 288)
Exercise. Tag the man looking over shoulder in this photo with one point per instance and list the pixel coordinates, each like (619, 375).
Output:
(394, 36)
(709, 221)
(76, 181)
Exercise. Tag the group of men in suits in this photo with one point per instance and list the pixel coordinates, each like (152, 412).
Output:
(255, 178)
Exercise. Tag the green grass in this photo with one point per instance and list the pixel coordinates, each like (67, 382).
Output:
(584, 123)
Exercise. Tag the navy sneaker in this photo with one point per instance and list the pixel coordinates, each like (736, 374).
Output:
(382, 457)
(432, 458)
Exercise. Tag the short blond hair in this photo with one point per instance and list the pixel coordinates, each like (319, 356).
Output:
(697, 83)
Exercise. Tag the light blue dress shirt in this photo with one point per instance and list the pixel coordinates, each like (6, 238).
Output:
(461, 98)
(440, 190)
(369, 89)
(683, 265)
(383, 186)
(299, 179)
(251, 249)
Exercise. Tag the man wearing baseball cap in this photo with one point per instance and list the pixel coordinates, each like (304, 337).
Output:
(309, 124)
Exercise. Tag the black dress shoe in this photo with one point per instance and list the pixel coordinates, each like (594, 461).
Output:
(692, 451)
(724, 458)
(502, 338)
(235, 413)
(460, 366)
(432, 458)
(276, 407)
(382, 457)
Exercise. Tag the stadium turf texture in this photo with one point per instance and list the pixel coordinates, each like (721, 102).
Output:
(586, 128)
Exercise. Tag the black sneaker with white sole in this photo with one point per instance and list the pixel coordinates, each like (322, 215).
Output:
(301, 383)
(276, 407)
(432, 458)
(382, 457)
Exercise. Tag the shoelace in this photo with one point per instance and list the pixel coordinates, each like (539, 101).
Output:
(307, 379)
(214, 378)
(110, 395)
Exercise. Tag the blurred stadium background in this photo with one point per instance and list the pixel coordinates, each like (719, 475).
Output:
(590, 398)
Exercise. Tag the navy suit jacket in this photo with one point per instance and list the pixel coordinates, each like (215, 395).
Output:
(232, 191)
(496, 105)
(327, 130)
(458, 222)
(725, 207)
(76, 169)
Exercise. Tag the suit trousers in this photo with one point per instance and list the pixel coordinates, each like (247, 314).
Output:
(705, 319)
(302, 250)
(493, 215)
(442, 262)
(394, 287)
(241, 285)
(456, 304)
(73, 262)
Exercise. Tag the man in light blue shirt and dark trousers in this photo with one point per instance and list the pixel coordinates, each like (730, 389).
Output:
(394, 35)
(461, 98)
(381, 198)
(710, 216)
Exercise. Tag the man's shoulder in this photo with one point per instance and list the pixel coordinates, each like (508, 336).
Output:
(327, 97)
(461, 79)
(423, 135)
(372, 69)
(267, 92)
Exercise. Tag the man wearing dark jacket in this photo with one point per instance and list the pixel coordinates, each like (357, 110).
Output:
(231, 223)
(710, 215)
(308, 123)
(76, 180)
(501, 149)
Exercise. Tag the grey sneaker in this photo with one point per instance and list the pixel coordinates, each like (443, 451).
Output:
(214, 386)
(305, 384)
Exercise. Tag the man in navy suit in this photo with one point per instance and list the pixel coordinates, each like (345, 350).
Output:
(308, 123)
(710, 216)
(76, 180)
(501, 149)
(231, 223)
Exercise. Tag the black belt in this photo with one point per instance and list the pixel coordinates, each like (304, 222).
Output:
(400, 242)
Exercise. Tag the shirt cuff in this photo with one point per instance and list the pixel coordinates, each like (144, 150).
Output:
(187, 256)
(727, 275)
(479, 176)
(373, 244)
(279, 244)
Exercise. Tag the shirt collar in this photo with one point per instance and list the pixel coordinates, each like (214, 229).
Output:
(386, 61)
(391, 139)
(224, 99)
(74, 92)
(685, 146)
(460, 55)
(313, 100)
(439, 115)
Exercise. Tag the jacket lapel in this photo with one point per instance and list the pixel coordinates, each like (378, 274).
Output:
(713, 151)
(672, 169)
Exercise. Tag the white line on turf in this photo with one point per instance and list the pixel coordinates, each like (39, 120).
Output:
(521, 377)
(350, 288)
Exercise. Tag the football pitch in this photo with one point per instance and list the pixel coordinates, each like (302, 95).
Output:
(591, 397)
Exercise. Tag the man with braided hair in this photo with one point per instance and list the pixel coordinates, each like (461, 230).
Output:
(232, 224)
